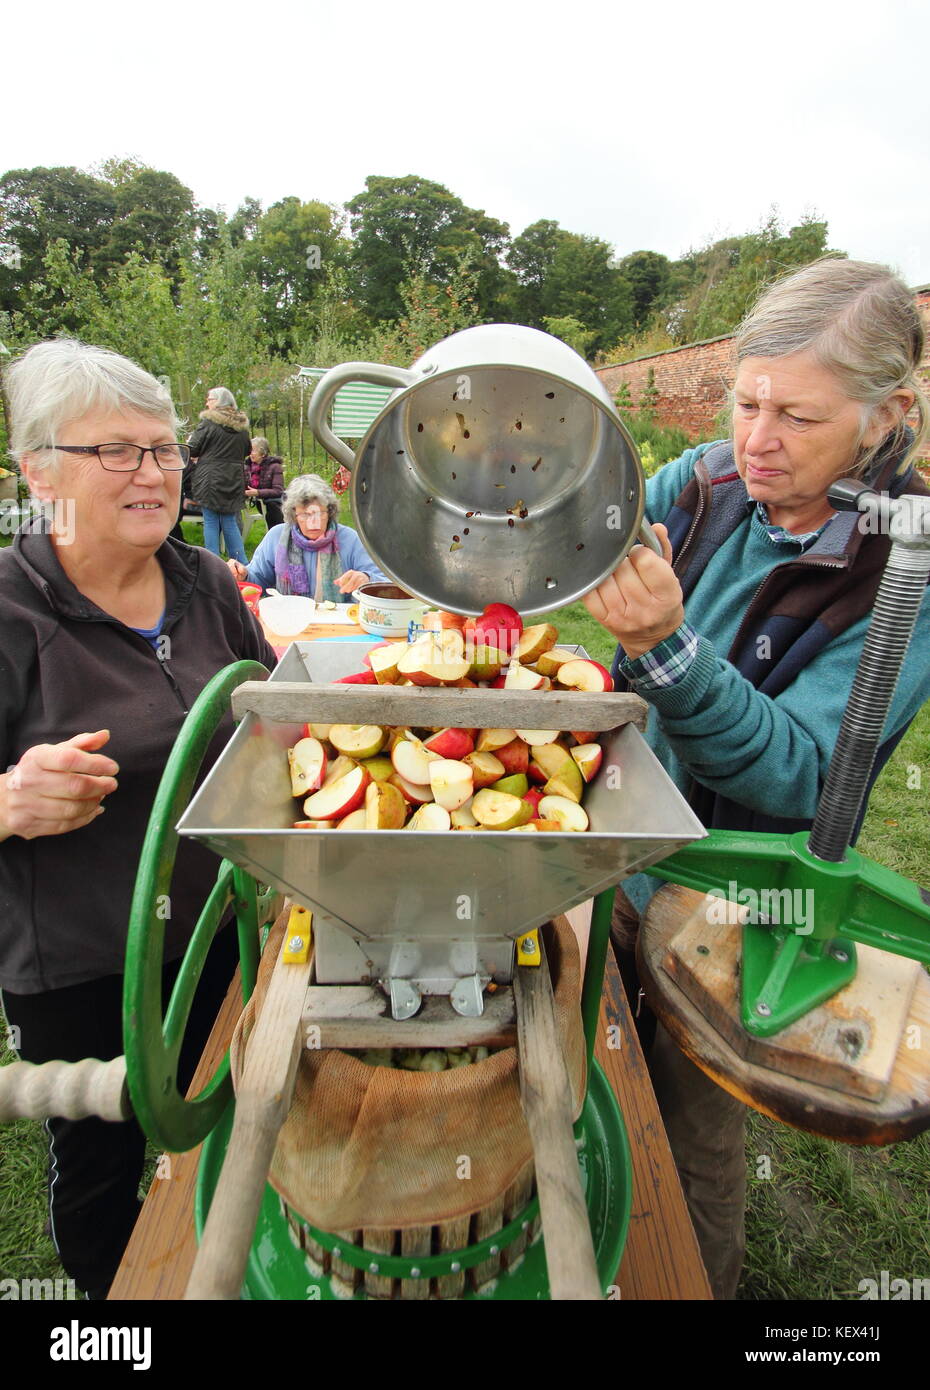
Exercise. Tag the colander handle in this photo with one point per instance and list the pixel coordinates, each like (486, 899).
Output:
(376, 373)
(648, 537)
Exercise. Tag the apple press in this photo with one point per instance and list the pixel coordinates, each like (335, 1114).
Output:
(498, 471)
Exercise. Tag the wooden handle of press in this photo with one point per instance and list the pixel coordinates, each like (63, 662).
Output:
(74, 1090)
(545, 1093)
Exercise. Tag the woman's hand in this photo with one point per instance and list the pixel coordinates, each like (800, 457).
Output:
(56, 787)
(350, 581)
(641, 602)
(251, 492)
(239, 570)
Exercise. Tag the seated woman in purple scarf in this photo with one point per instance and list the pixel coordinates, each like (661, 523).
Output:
(310, 554)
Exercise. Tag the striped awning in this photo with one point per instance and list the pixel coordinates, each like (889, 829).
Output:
(354, 407)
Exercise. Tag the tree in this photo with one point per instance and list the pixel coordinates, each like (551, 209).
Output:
(40, 206)
(531, 256)
(155, 215)
(293, 246)
(571, 332)
(647, 273)
(401, 222)
(582, 284)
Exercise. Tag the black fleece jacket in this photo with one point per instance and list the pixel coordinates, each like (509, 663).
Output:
(66, 667)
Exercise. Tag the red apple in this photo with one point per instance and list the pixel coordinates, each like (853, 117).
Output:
(489, 740)
(357, 741)
(486, 768)
(337, 799)
(385, 662)
(584, 675)
(549, 662)
(451, 743)
(338, 768)
(522, 677)
(498, 811)
(514, 755)
(569, 814)
(499, 625)
(412, 759)
(355, 820)
(430, 817)
(359, 678)
(412, 792)
(307, 763)
(379, 646)
(588, 756)
(385, 807)
(451, 783)
(535, 641)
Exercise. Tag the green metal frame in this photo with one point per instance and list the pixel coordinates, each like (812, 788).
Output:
(789, 967)
(153, 1044)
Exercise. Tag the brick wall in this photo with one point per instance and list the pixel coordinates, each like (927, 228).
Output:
(691, 381)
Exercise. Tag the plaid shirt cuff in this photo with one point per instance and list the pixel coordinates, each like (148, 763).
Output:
(665, 665)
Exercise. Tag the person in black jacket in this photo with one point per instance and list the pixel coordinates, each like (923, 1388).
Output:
(264, 480)
(220, 445)
(109, 634)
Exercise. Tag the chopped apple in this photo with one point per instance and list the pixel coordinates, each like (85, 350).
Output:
(515, 756)
(379, 646)
(533, 795)
(314, 825)
(338, 768)
(498, 811)
(307, 763)
(451, 743)
(435, 662)
(567, 782)
(515, 785)
(489, 740)
(535, 641)
(569, 814)
(584, 675)
(385, 807)
(336, 799)
(486, 662)
(320, 731)
(486, 769)
(549, 662)
(355, 820)
(451, 782)
(435, 619)
(430, 817)
(412, 759)
(522, 678)
(538, 735)
(588, 756)
(358, 678)
(543, 825)
(583, 736)
(412, 792)
(549, 757)
(379, 768)
(462, 818)
(385, 661)
(522, 829)
(357, 741)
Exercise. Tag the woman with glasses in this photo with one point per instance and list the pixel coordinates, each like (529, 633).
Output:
(310, 553)
(108, 634)
(220, 447)
(264, 481)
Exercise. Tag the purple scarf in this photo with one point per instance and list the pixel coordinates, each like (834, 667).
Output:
(291, 575)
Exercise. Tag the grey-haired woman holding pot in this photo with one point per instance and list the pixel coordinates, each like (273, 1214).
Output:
(310, 553)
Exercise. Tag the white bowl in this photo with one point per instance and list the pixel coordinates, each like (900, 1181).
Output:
(385, 610)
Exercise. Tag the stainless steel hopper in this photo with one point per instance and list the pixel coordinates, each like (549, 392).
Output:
(434, 909)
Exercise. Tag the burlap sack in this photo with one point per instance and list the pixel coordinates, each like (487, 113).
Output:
(370, 1146)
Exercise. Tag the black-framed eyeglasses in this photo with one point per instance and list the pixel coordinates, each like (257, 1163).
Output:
(127, 458)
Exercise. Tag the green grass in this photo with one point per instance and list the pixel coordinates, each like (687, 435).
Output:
(829, 1215)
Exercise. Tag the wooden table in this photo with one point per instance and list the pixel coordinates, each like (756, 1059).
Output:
(661, 1259)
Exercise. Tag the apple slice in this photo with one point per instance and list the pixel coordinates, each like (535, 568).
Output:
(430, 817)
(357, 741)
(435, 619)
(412, 792)
(569, 814)
(533, 795)
(411, 759)
(538, 735)
(320, 731)
(489, 740)
(549, 662)
(385, 661)
(451, 782)
(337, 799)
(522, 829)
(498, 811)
(379, 646)
(584, 675)
(515, 785)
(379, 768)
(434, 663)
(385, 807)
(535, 641)
(486, 769)
(451, 743)
(307, 763)
(314, 825)
(588, 756)
(522, 678)
(543, 825)
(355, 820)
(338, 768)
(549, 757)
(567, 782)
(515, 756)
(462, 818)
(486, 662)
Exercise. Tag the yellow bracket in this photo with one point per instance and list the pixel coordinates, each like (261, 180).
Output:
(528, 948)
(299, 937)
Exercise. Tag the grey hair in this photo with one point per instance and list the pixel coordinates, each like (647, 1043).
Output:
(222, 398)
(58, 382)
(310, 487)
(260, 442)
(859, 321)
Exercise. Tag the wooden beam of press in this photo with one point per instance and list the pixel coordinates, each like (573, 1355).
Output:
(262, 1103)
(359, 1016)
(545, 1093)
(295, 701)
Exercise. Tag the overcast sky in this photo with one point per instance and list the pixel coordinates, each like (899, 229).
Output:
(657, 126)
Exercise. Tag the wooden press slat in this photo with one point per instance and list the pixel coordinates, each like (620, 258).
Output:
(292, 701)
(359, 1016)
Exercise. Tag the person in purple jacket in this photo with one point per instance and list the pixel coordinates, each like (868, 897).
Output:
(310, 553)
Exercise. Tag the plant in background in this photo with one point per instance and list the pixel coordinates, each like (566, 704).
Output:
(649, 399)
(571, 332)
(623, 400)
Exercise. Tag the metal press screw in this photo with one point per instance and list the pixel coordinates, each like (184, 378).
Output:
(764, 1010)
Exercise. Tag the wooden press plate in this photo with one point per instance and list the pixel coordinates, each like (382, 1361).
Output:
(805, 1075)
